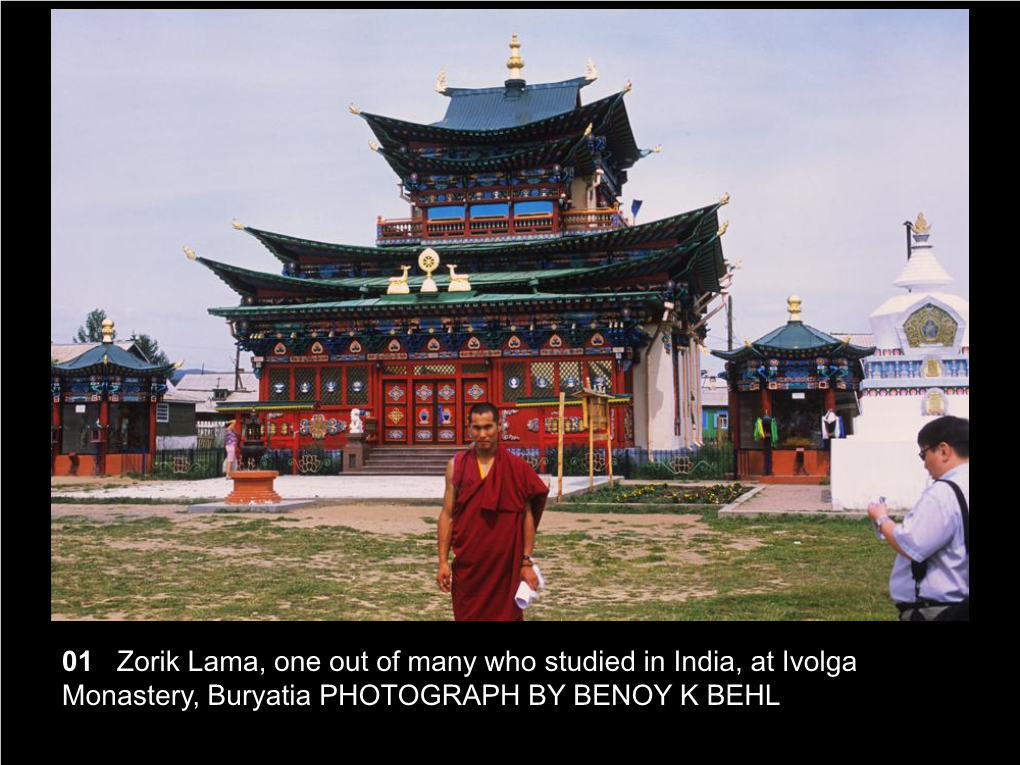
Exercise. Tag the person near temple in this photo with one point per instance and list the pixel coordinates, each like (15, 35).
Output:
(930, 579)
(491, 510)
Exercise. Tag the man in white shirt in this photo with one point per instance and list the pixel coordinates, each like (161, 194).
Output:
(930, 580)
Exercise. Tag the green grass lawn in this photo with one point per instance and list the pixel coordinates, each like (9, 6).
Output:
(228, 567)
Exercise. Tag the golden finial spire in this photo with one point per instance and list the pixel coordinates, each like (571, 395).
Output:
(921, 226)
(516, 63)
(189, 252)
(793, 306)
(107, 330)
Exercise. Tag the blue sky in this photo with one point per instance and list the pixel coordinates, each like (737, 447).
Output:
(828, 128)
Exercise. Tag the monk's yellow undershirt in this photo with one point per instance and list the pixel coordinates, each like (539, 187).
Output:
(482, 471)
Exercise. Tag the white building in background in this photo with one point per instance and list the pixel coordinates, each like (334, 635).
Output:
(920, 370)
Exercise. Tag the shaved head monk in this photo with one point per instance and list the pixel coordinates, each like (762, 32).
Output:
(492, 506)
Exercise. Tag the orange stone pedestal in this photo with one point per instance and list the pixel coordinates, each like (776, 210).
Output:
(253, 487)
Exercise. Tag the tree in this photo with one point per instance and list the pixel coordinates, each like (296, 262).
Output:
(92, 332)
(150, 348)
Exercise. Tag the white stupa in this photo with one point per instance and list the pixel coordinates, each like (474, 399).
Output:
(920, 370)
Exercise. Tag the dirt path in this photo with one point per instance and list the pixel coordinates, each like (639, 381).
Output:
(393, 518)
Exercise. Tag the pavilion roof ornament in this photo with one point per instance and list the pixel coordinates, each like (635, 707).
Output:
(237, 224)
(725, 200)
(590, 73)
(516, 63)
(107, 331)
(921, 226)
(441, 85)
(793, 306)
(353, 109)
(189, 252)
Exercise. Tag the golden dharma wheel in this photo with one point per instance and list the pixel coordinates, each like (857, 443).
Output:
(428, 261)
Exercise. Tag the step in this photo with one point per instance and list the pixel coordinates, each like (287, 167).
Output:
(398, 471)
(412, 450)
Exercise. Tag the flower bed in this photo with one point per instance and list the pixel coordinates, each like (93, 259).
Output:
(665, 493)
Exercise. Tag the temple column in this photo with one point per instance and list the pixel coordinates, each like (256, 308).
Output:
(660, 412)
(57, 423)
(104, 433)
(152, 434)
(733, 406)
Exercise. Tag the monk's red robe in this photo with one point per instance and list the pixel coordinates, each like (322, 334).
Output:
(488, 533)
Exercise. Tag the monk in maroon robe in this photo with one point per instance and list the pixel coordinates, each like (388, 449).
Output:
(494, 501)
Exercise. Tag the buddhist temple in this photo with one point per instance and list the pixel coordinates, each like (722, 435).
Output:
(516, 276)
(106, 403)
(792, 392)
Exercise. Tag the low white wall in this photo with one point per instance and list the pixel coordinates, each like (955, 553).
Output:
(176, 442)
(863, 471)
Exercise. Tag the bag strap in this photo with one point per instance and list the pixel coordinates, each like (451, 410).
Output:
(963, 510)
(919, 568)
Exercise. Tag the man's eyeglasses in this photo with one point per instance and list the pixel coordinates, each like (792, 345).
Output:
(923, 451)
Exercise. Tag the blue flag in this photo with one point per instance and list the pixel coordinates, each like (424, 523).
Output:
(634, 207)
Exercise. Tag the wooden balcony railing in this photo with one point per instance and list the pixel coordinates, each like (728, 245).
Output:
(592, 220)
(397, 229)
(573, 221)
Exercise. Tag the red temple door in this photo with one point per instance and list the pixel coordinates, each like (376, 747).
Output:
(474, 391)
(435, 407)
(395, 417)
(424, 412)
(446, 411)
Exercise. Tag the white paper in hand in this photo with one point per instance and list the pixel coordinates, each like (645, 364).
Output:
(525, 595)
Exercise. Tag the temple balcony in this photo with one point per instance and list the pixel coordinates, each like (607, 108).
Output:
(571, 222)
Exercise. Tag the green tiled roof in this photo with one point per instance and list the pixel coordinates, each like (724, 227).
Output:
(110, 356)
(608, 118)
(419, 303)
(697, 222)
(701, 258)
(393, 132)
(502, 107)
(798, 340)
